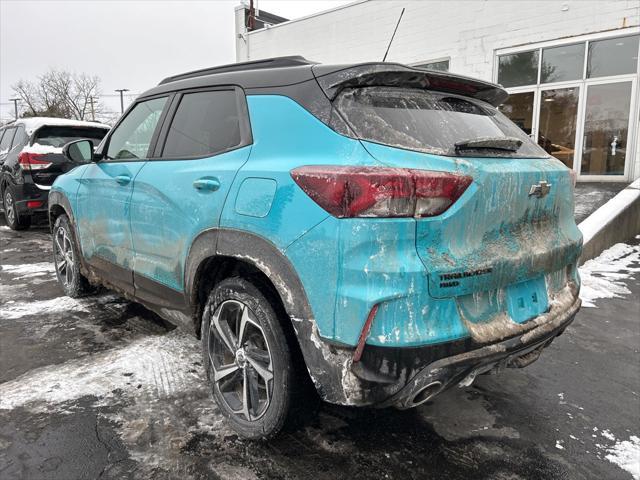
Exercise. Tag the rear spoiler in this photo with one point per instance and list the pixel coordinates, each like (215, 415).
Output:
(335, 78)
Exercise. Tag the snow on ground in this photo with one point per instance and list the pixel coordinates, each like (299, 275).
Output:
(12, 310)
(626, 455)
(29, 270)
(157, 365)
(605, 275)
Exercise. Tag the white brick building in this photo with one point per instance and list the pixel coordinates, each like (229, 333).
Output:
(572, 67)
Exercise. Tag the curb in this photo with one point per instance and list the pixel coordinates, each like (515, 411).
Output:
(616, 221)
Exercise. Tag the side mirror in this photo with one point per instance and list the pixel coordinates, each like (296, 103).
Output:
(79, 151)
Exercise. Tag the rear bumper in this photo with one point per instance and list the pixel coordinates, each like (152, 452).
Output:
(515, 352)
(406, 376)
(29, 192)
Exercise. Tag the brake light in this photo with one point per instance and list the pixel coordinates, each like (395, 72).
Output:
(347, 192)
(34, 204)
(32, 161)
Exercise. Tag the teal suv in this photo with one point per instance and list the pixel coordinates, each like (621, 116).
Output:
(380, 230)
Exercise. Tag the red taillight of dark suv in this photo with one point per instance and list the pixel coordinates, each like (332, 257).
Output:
(346, 191)
(32, 161)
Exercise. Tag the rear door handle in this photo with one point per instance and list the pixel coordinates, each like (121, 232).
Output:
(123, 179)
(207, 183)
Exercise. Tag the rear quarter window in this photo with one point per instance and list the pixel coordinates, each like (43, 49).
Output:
(205, 123)
(7, 138)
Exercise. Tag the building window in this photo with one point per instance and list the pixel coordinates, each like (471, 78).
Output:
(560, 64)
(614, 56)
(576, 100)
(437, 65)
(518, 69)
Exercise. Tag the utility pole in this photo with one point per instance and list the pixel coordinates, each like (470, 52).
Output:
(121, 90)
(93, 112)
(15, 106)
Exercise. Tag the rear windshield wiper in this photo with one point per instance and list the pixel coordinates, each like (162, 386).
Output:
(509, 144)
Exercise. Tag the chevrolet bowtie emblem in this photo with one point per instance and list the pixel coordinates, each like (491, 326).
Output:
(540, 190)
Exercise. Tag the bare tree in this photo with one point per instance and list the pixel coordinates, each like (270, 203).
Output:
(59, 93)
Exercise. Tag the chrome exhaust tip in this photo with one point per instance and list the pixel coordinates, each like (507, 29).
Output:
(425, 394)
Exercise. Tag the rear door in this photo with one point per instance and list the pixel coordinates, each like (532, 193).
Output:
(104, 194)
(181, 191)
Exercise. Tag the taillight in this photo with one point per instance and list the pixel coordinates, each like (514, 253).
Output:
(32, 161)
(347, 192)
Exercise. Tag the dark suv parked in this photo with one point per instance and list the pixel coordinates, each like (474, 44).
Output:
(31, 159)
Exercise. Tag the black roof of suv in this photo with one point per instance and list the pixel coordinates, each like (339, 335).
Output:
(265, 76)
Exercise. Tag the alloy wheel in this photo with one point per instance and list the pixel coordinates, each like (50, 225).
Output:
(9, 207)
(63, 255)
(241, 360)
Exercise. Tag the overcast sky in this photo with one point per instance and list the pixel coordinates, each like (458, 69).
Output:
(128, 44)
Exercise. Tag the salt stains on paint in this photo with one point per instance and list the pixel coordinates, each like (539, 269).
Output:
(605, 276)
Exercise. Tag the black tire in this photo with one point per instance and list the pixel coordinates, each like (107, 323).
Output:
(226, 304)
(14, 219)
(67, 262)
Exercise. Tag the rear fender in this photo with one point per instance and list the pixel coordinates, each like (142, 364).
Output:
(328, 365)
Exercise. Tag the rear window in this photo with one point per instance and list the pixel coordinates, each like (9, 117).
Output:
(429, 121)
(59, 136)
(205, 123)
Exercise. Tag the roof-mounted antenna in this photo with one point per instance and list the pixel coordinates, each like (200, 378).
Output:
(393, 36)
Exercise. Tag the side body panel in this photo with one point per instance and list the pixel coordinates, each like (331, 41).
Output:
(104, 202)
(287, 136)
(168, 211)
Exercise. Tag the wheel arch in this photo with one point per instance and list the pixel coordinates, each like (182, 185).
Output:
(217, 253)
(326, 364)
(59, 205)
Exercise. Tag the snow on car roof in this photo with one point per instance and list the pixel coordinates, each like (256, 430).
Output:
(34, 123)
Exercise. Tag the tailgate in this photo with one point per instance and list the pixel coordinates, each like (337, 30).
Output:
(499, 234)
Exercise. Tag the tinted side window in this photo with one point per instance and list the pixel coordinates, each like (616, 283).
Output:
(20, 138)
(205, 123)
(7, 138)
(132, 137)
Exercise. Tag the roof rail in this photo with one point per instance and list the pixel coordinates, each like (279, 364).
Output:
(276, 62)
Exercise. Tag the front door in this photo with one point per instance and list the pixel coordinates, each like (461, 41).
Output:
(181, 191)
(606, 128)
(105, 191)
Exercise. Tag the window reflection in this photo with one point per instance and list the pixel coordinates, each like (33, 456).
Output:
(615, 56)
(562, 63)
(518, 69)
(605, 128)
(557, 126)
(519, 109)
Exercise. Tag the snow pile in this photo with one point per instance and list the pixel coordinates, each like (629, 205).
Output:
(626, 455)
(42, 149)
(604, 276)
(159, 366)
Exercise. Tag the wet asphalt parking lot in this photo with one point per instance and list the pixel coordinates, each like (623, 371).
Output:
(101, 388)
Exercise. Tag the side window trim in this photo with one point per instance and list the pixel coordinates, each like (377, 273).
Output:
(246, 138)
(154, 137)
